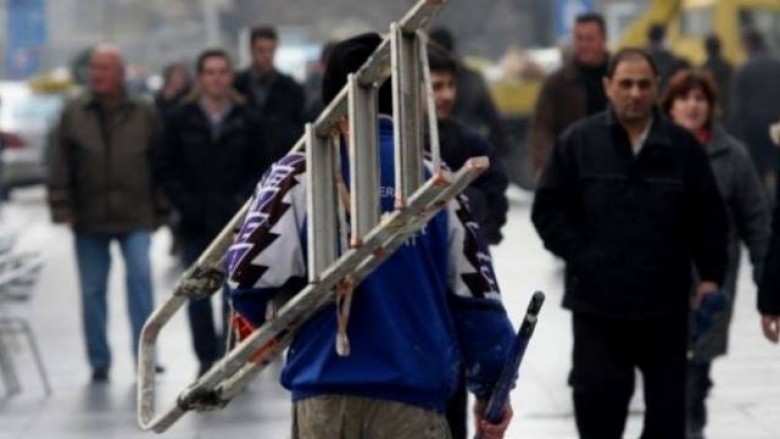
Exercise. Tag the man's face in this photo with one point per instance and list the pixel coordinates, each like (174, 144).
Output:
(632, 90)
(444, 93)
(106, 74)
(216, 77)
(263, 50)
(590, 44)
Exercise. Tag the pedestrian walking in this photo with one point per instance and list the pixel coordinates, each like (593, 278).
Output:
(630, 203)
(101, 185)
(275, 96)
(690, 101)
(212, 155)
(474, 104)
(398, 388)
(487, 194)
(754, 104)
(573, 92)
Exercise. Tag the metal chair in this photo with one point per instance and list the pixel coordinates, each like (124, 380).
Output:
(19, 273)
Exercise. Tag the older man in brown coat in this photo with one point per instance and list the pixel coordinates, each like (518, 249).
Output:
(573, 92)
(101, 185)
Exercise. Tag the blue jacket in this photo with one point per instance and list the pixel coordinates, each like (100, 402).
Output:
(431, 309)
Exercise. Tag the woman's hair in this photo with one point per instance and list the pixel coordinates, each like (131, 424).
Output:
(683, 82)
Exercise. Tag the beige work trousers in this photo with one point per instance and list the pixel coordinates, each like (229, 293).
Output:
(350, 417)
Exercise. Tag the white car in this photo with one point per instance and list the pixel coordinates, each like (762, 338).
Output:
(30, 116)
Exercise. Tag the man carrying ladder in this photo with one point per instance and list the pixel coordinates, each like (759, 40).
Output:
(432, 304)
(354, 215)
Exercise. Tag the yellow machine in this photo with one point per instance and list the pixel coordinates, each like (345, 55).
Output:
(688, 24)
(690, 21)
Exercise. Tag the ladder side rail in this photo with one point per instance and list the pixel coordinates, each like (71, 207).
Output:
(321, 204)
(364, 160)
(433, 127)
(406, 114)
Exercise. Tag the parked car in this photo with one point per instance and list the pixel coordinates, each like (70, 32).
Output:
(30, 115)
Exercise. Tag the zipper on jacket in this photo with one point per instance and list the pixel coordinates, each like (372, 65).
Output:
(103, 120)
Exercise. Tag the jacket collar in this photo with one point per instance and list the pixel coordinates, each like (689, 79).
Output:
(236, 98)
(720, 141)
(571, 70)
(92, 101)
(658, 135)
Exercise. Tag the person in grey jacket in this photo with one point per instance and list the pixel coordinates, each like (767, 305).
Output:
(691, 102)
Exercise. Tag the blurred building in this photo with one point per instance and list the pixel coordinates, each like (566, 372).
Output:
(153, 32)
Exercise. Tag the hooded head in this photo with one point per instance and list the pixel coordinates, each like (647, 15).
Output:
(347, 57)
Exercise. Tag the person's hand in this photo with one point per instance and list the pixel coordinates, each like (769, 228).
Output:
(486, 430)
(704, 288)
(774, 133)
(771, 327)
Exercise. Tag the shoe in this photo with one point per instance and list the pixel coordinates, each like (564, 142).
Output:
(99, 375)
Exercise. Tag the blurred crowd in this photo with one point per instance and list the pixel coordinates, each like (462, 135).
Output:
(623, 213)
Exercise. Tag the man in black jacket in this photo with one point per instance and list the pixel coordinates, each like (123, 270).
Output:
(769, 289)
(487, 194)
(474, 104)
(278, 99)
(212, 156)
(629, 201)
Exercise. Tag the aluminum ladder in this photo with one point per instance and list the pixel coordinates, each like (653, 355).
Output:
(401, 57)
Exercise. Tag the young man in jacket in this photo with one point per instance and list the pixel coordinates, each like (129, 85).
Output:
(211, 158)
(474, 104)
(629, 201)
(278, 98)
(101, 185)
(487, 194)
(407, 344)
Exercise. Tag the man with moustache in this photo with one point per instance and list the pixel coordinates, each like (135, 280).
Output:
(629, 202)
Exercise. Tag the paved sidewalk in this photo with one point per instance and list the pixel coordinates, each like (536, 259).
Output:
(745, 402)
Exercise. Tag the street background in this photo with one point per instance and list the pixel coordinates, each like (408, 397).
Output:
(745, 403)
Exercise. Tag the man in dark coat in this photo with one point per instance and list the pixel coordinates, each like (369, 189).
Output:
(721, 70)
(769, 289)
(474, 104)
(278, 98)
(486, 195)
(573, 92)
(754, 103)
(667, 62)
(629, 201)
(211, 158)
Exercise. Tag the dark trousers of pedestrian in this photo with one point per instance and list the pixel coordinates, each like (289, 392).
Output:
(606, 354)
(699, 385)
(208, 343)
(457, 410)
